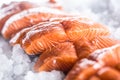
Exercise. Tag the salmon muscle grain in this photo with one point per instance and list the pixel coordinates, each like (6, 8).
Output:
(83, 70)
(7, 10)
(43, 37)
(102, 64)
(85, 47)
(28, 18)
(19, 36)
(109, 56)
(61, 57)
(17, 39)
(76, 45)
(83, 28)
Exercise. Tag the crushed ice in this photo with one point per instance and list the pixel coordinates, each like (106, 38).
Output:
(16, 65)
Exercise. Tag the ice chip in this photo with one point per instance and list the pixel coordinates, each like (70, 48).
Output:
(18, 69)
(1, 75)
(18, 55)
(117, 33)
(53, 75)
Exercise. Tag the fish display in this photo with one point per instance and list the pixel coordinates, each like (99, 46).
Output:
(78, 46)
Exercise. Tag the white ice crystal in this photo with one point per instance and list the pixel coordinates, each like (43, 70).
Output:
(117, 33)
(15, 64)
(53, 75)
(6, 66)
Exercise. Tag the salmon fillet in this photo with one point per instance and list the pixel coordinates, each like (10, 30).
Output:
(108, 73)
(19, 36)
(102, 64)
(82, 70)
(17, 39)
(85, 47)
(63, 41)
(8, 10)
(61, 57)
(79, 28)
(28, 18)
(43, 37)
(110, 56)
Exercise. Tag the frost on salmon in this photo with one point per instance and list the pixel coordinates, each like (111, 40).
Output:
(102, 64)
(96, 36)
(85, 47)
(110, 56)
(82, 70)
(49, 38)
(28, 18)
(43, 37)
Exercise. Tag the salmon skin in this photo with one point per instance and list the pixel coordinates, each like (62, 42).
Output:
(8, 10)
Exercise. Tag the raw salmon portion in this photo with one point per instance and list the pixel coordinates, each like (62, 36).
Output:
(28, 18)
(7, 10)
(44, 37)
(66, 42)
(83, 70)
(108, 73)
(85, 47)
(61, 57)
(109, 56)
(83, 28)
(94, 78)
(17, 39)
(101, 64)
